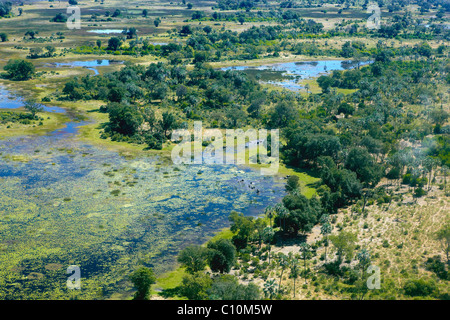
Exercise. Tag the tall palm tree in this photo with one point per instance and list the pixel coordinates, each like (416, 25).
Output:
(304, 249)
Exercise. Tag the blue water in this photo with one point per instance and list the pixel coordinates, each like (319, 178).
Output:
(90, 64)
(106, 31)
(289, 74)
(11, 101)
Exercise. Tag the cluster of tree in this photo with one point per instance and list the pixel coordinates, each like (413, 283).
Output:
(253, 239)
(38, 52)
(5, 8)
(237, 4)
(59, 17)
(16, 117)
(220, 256)
(207, 44)
(132, 94)
(19, 70)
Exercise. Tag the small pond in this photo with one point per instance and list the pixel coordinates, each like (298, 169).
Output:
(11, 101)
(288, 74)
(90, 64)
(106, 31)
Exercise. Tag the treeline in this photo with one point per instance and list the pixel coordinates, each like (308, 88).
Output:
(207, 44)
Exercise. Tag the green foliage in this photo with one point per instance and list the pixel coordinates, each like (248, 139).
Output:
(33, 107)
(367, 170)
(124, 119)
(114, 43)
(344, 243)
(443, 236)
(420, 288)
(12, 117)
(19, 70)
(193, 258)
(292, 183)
(243, 227)
(195, 286)
(5, 8)
(227, 287)
(3, 37)
(222, 255)
(142, 279)
(435, 265)
(59, 17)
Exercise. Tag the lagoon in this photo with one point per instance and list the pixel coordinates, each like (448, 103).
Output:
(289, 74)
(89, 64)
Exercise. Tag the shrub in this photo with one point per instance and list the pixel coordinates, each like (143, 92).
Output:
(419, 288)
(19, 70)
(438, 267)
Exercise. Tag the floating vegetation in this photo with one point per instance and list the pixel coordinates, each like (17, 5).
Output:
(17, 158)
(75, 214)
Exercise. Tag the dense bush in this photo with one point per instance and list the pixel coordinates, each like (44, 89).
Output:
(420, 288)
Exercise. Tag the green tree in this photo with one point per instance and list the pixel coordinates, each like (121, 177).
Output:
(305, 249)
(222, 255)
(195, 286)
(269, 213)
(242, 227)
(19, 70)
(3, 37)
(33, 107)
(32, 34)
(292, 184)
(283, 114)
(193, 258)
(114, 44)
(59, 17)
(227, 287)
(283, 263)
(5, 8)
(269, 233)
(325, 83)
(50, 51)
(362, 163)
(131, 33)
(116, 13)
(142, 279)
(443, 236)
(325, 230)
(124, 119)
(270, 289)
(294, 269)
(168, 123)
(344, 243)
(420, 287)
(260, 225)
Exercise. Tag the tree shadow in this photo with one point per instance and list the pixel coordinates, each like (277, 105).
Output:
(170, 293)
(282, 239)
